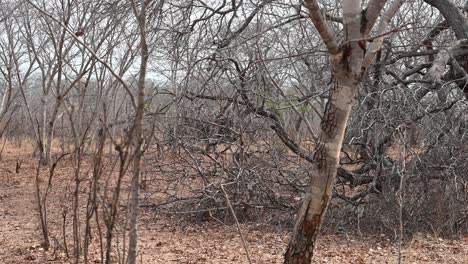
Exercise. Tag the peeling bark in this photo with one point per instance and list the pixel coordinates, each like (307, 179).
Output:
(349, 62)
(326, 161)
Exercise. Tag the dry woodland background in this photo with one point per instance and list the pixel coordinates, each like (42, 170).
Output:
(206, 131)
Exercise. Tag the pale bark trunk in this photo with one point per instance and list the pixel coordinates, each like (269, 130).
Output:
(135, 184)
(349, 61)
(50, 135)
(346, 63)
(40, 204)
(333, 126)
(6, 99)
(138, 138)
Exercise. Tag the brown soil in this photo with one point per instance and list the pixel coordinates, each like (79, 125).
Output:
(167, 240)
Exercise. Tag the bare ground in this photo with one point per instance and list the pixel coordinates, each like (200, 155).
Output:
(166, 240)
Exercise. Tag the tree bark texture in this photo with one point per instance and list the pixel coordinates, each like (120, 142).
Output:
(137, 139)
(326, 157)
(349, 62)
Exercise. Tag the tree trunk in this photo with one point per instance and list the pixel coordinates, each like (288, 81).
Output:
(138, 137)
(349, 61)
(322, 178)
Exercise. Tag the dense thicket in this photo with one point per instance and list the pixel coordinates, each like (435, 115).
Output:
(234, 96)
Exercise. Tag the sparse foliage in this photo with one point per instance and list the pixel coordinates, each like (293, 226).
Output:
(274, 111)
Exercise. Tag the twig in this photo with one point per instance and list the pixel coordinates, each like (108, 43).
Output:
(237, 223)
(93, 53)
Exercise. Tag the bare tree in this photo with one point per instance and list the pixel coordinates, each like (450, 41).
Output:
(349, 61)
(254, 103)
(137, 130)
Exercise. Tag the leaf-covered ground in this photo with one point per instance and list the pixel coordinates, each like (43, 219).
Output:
(168, 240)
